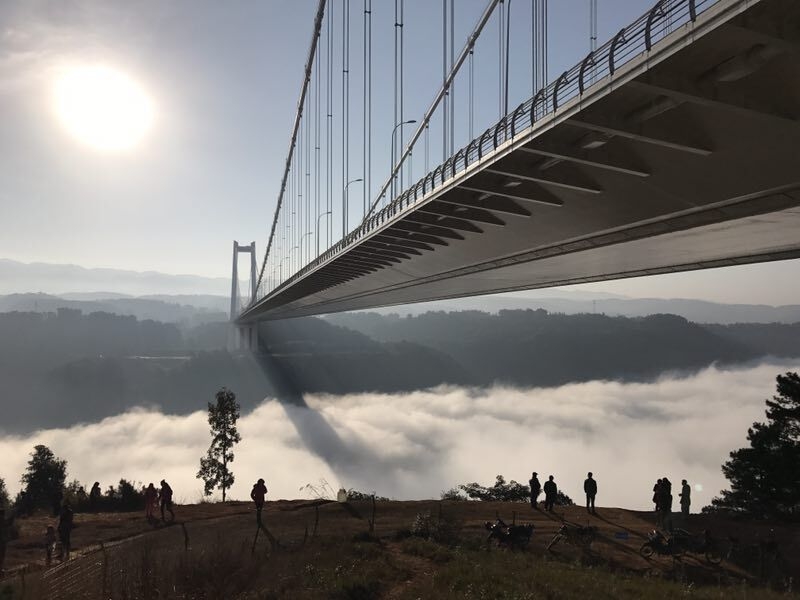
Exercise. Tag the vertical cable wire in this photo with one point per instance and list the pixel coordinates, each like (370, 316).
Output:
(345, 49)
(507, 56)
(452, 90)
(500, 71)
(445, 100)
(400, 99)
(364, 116)
(317, 152)
(329, 133)
(471, 95)
(368, 173)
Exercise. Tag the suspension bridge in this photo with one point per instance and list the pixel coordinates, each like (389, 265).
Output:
(672, 146)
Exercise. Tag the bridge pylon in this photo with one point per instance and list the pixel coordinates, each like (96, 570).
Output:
(242, 337)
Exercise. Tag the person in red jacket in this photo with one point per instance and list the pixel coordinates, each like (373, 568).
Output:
(259, 496)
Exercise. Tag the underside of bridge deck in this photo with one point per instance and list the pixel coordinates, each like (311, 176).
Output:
(689, 157)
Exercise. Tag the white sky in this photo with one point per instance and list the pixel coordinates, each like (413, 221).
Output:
(224, 79)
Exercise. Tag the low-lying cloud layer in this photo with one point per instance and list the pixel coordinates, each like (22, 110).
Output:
(416, 445)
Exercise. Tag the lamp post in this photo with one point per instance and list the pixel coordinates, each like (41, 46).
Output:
(391, 170)
(318, 236)
(345, 205)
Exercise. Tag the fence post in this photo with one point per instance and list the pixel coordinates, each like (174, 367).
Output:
(372, 521)
(185, 537)
(104, 570)
(316, 520)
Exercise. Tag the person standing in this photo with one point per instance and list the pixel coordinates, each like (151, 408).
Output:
(65, 527)
(150, 502)
(590, 487)
(686, 497)
(259, 496)
(550, 493)
(665, 504)
(5, 535)
(165, 498)
(656, 494)
(536, 489)
(95, 497)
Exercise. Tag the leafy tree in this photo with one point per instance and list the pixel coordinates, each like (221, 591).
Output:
(4, 499)
(499, 492)
(222, 417)
(764, 478)
(43, 481)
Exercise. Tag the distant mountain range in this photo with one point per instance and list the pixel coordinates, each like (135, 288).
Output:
(698, 311)
(18, 277)
(188, 310)
(175, 298)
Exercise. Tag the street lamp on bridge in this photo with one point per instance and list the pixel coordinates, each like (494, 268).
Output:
(346, 206)
(318, 236)
(392, 168)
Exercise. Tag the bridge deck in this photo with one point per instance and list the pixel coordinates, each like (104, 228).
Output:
(685, 158)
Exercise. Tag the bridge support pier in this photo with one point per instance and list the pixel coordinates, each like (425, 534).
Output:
(243, 338)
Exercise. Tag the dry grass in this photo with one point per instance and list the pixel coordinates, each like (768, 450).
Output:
(344, 560)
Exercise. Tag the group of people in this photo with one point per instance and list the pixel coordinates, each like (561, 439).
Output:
(158, 498)
(551, 492)
(663, 499)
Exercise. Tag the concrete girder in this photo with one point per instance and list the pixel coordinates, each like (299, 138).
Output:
(405, 225)
(402, 242)
(595, 159)
(462, 212)
(712, 96)
(457, 224)
(639, 133)
(376, 245)
(494, 204)
(545, 198)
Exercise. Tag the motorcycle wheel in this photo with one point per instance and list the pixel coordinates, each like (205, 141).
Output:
(713, 557)
(647, 550)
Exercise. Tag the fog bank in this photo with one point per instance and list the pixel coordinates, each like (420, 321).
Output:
(417, 445)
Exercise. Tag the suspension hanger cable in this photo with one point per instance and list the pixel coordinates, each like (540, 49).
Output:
(440, 95)
(281, 194)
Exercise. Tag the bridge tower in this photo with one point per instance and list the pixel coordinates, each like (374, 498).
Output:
(242, 337)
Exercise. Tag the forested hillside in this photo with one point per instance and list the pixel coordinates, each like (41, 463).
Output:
(67, 367)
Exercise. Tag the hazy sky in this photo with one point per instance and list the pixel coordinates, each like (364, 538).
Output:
(221, 82)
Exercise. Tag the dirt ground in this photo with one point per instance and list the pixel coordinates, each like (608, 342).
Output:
(620, 532)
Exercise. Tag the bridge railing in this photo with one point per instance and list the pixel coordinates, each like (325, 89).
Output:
(596, 68)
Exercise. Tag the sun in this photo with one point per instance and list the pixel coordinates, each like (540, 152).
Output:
(102, 107)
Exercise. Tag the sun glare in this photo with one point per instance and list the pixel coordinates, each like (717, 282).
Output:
(102, 107)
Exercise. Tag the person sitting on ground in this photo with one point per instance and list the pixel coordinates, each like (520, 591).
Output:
(65, 527)
(95, 497)
(550, 494)
(686, 497)
(165, 498)
(49, 544)
(590, 487)
(536, 489)
(259, 496)
(150, 501)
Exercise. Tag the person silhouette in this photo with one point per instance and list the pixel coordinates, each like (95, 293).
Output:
(150, 501)
(550, 494)
(95, 496)
(686, 497)
(536, 489)
(590, 487)
(165, 498)
(258, 495)
(65, 527)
